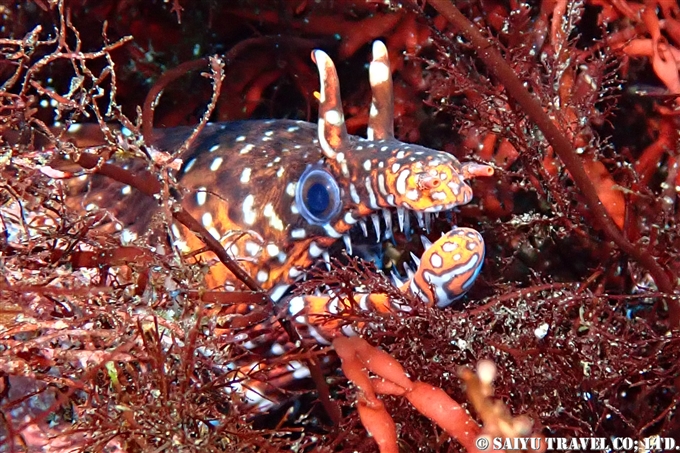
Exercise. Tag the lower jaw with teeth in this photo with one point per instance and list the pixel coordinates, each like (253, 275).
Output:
(373, 239)
(382, 223)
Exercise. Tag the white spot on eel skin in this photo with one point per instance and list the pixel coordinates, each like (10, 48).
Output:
(332, 232)
(276, 294)
(126, 190)
(245, 175)
(349, 219)
(412, 194)
(276, 348)
(294, 272)
(252, 248)
(246, 149)
(455, 188)
(240, 138)
(381, 185)
(249, 215)
(290, 189)
(436, 260)
(401, 181)
(214, 148)
(373, 202)
(378, 72)
(299, 233)
(201, 196)
(353, 193)
(216, 163)
(190, 165)
(272, 249)
(314, 250)
(333, 117)
(296, 304)
(449, 246)
(276, 222)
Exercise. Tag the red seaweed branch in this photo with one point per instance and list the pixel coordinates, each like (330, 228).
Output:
(359, 358)
(497, 65)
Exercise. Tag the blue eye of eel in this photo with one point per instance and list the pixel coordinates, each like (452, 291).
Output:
(318, 196)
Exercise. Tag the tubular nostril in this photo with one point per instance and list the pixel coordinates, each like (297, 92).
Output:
(427, 181)
(474, 170)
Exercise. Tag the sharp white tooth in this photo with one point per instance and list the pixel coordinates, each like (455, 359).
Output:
(428, 221)
(376, 225)
(400, 216)
(387, 215)
(426, 242)
(409, 271)
(348, 243)
(363, 227)
(407, 223)
(396, 278)
(421, 221)
(415, 259)
(327, 259)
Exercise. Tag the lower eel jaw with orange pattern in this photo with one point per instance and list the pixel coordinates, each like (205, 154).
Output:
(332, 182)
(444, 273)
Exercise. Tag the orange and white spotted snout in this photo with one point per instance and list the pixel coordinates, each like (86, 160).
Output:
(449, 267)
(435, 183)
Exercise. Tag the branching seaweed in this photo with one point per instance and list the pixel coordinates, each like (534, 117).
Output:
(112, 342)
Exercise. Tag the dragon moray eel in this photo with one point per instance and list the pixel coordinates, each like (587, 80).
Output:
(278, 193)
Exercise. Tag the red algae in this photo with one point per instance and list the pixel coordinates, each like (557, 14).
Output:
(107, 343)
